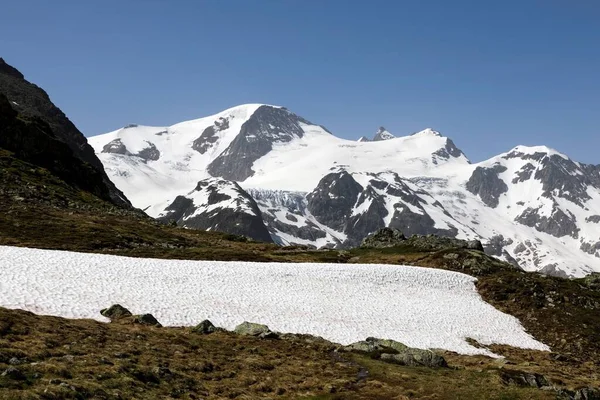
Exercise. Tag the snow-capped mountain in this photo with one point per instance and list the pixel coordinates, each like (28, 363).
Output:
(531, 206)
(218, 204)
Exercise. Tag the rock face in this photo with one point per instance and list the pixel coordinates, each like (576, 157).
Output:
(49, 139)
(267, 126)
(218, 205)
(148, 153)
(382, 134)
(486, 183)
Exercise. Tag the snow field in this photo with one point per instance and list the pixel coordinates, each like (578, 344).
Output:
(421, 307)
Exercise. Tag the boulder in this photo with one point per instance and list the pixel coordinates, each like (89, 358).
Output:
(205, 327)
(385, 237)
(398, 353)
(416, 358)
(146, 319)
(372, 344)
(116, 311)
(257, 330)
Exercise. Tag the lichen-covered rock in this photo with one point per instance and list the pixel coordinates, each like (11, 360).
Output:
(257, 330)
(205, 327)
(398, 353)
(416, 358)
(116, 311)
(373, 344)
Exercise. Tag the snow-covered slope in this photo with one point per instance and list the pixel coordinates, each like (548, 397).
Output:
(421, 307)
(531, 206)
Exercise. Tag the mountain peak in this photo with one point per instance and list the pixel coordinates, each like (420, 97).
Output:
(382, 134)
(531, 150)
(427, 132)
(9, 70)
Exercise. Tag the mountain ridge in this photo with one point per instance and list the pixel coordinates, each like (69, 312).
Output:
(521, 204)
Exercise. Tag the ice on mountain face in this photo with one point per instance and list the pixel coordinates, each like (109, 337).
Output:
(420, 307)
(382, 134)
(363, 139)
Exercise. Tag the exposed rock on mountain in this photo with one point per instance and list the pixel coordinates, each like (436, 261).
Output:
(486, 183)
(267, 126)
(382, 134)
(216, 204)
(48, 126)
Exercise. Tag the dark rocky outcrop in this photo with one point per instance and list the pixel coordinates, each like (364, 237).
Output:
(146, 319)
(116, 146)
(486, 183)
(559, 224)
(32, 140)
(38, 132)
(595, 219)
(217, 210)
(332, 201)
(344, 205)
(116, 311)
(209, 135)
(382, 134)
(560, 176)
(448, 151)
(205, 327)
(268, 125)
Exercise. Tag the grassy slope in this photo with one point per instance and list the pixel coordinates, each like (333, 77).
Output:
(39, 210)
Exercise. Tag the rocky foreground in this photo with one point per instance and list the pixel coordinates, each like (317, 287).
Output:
(133, 357)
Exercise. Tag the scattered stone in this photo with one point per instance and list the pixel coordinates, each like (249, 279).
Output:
(69, 358)
(205, 327)
(162, 371)
(416, 358)
(14, 373)
(257, 330)
(524, 379)
(372, 344)
(15, 361)
(146, 319)
(398, 353)
(116, 311)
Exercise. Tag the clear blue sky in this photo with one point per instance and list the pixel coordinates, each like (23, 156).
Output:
(488, 74)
